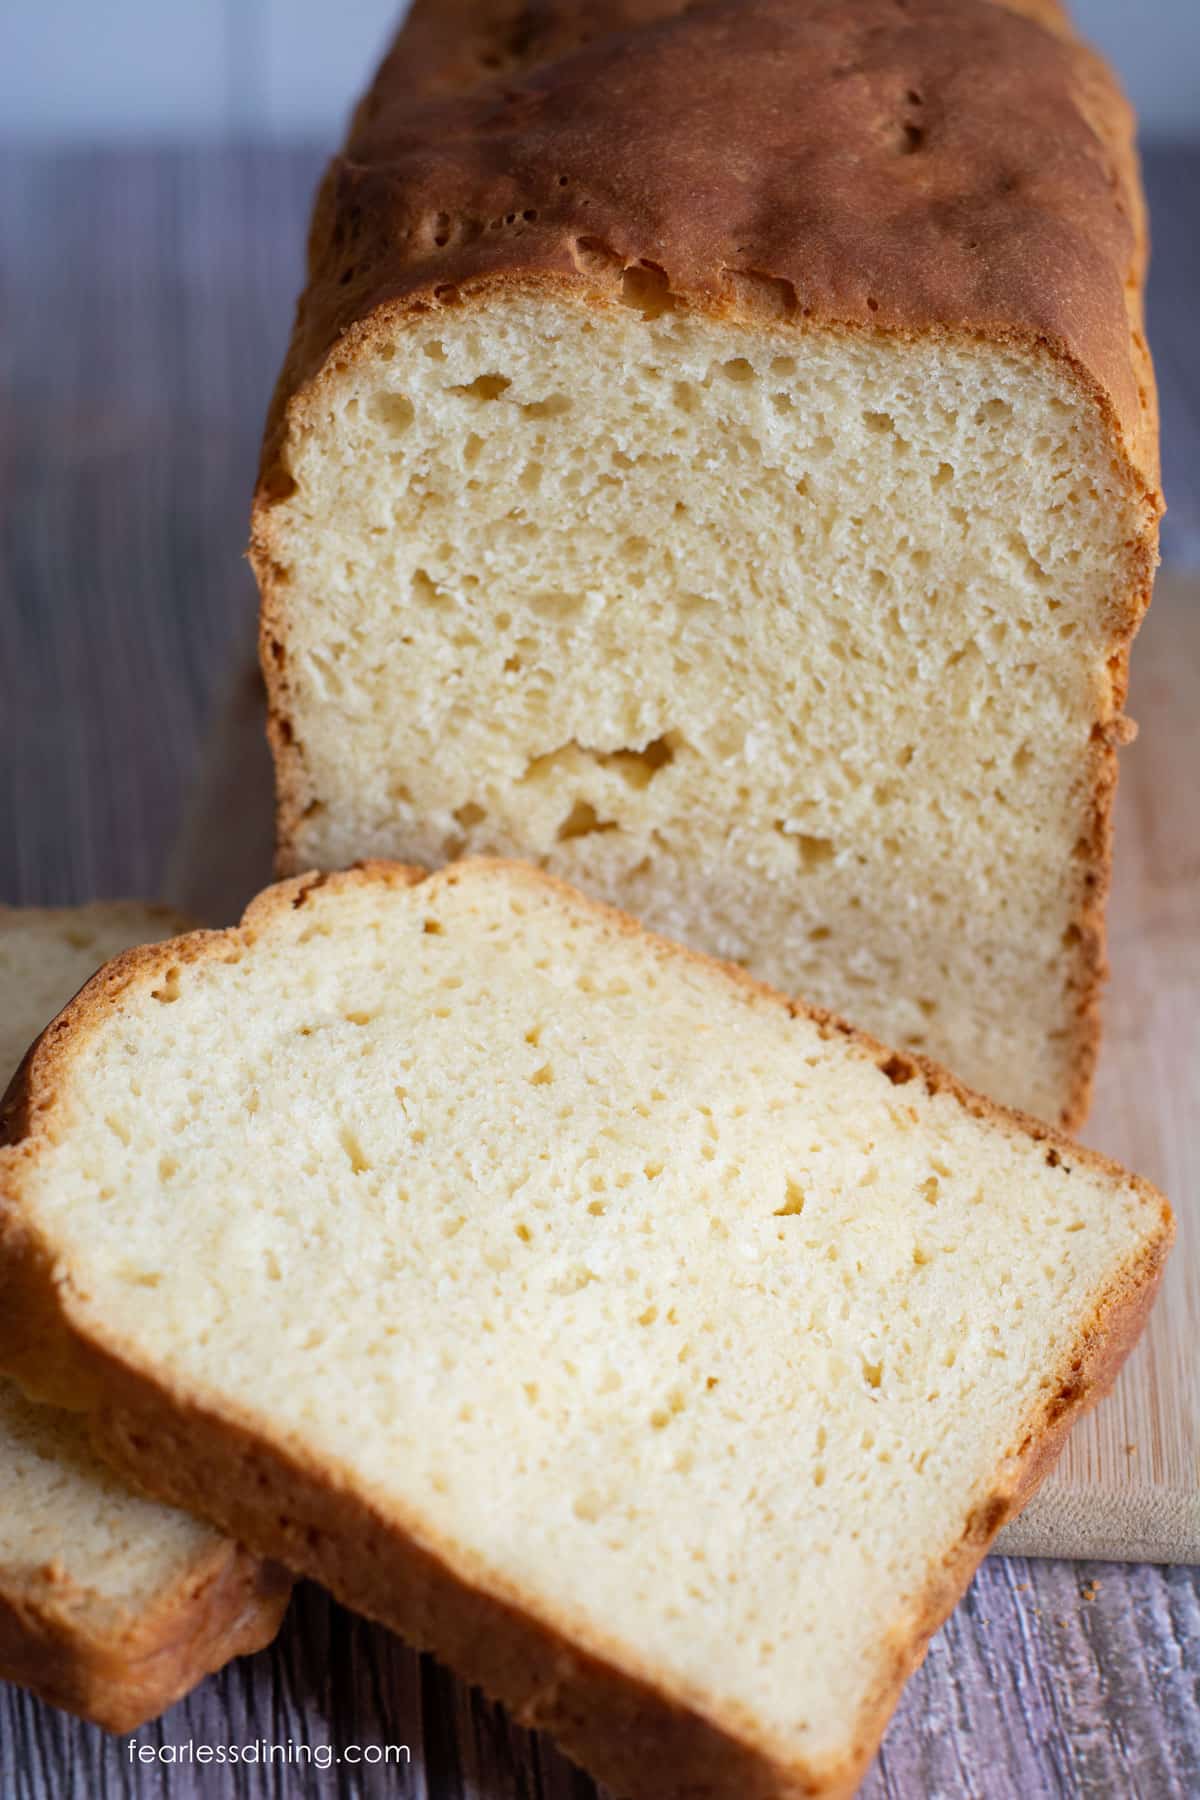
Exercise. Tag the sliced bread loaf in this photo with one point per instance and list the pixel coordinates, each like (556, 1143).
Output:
(110, 1605)
(661, 1353)
(716, 459)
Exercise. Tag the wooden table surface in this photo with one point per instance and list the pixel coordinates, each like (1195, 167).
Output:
(144, 299)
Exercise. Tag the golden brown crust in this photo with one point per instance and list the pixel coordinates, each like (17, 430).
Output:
(609, 1713)
(950, 168)
(119, 1670)
(945, 166)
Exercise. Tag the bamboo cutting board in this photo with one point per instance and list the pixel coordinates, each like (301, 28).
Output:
(1128, 1485)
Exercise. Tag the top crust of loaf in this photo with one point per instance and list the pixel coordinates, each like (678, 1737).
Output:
(948, 167)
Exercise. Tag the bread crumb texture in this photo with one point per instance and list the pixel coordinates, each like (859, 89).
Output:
(796, 646)
(699, 1326)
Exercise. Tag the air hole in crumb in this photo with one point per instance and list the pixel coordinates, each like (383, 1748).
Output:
(898, 1070)
(354, 1150)
(793, 1204)
(542, 1077)
(645, 288)
(738, 369)
(394, 412)
(638, 767)
(582, 821)
(434, 928)
(278, 485)
(484, 387)
(872, 1373)
(552, 407)
(523, 1232)
(929, 1190)
(469, 814)
(169, 991)
(811, 851)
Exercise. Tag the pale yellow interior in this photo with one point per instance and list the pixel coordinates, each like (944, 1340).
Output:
(791, 643)
(654, 1309)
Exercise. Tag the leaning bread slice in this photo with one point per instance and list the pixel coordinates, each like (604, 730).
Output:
(110, 1605)
(661, 1353)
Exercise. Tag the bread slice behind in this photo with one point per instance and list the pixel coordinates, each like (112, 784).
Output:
(663, 1354)
(111, 1605)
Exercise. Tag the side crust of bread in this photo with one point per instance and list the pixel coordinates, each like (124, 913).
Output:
(133, 1667)
(618, 1720)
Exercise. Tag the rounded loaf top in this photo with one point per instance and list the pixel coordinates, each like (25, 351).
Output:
(912, 166)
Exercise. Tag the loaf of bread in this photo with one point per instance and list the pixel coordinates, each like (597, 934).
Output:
(662, 1354)
(716, 460)
(110, 1605)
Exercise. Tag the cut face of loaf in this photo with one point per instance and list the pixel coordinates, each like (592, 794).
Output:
(759, 550)
(110, 1605)
(792, 643)
(661, 1354)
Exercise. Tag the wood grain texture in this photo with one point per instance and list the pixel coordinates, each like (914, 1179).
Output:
(145, 299)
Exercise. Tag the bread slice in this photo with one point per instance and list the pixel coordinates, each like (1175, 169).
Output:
(746, 520)
(110, 1605)
(661, 1353)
